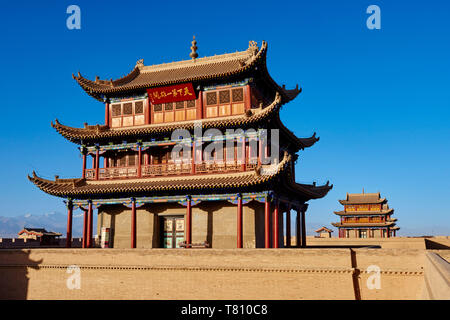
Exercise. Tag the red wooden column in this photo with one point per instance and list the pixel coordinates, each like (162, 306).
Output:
(244, 155)
(303, 225)
(239, 221)
(97, 156)
(89, 225)
(297, 229)
(84, 163)
(69, 223)
(276, 219)
(193, 157)
(148, 112)
(267, 223)
(188, 222)
(139, 161)
(133, 223)
(248, 98)
(85, 228)
(107, 114)
(260, 149)
(199, 106)
(288, 226)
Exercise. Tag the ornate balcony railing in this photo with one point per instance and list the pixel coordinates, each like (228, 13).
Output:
(166, 169)
(169, 169)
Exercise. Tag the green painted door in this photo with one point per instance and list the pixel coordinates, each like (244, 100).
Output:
(173, 232)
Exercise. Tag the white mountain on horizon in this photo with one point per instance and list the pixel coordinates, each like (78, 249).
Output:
(55, 221)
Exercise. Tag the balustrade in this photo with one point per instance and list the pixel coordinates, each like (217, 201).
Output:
(168, 169)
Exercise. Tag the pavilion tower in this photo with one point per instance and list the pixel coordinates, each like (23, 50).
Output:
(366, 215)
(190, 153)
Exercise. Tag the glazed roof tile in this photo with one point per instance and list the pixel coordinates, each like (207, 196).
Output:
(200, 69)
(363, 198)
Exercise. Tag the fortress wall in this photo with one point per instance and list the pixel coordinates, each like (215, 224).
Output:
(385, 243)
(210, 273)
(401, 272)
(437, 277)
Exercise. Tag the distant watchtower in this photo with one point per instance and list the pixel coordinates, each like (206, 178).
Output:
(365, 215)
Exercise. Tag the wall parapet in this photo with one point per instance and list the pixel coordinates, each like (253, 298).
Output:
(437, 277)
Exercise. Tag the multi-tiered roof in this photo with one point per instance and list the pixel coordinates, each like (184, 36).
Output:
(366, 210)
(248, 66)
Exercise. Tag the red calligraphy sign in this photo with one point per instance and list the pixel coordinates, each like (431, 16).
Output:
(179, 92)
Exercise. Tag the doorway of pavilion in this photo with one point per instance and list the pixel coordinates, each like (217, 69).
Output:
(172, 233)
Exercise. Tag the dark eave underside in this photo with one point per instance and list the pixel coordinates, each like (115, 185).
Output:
(363, 213)
(354, 225)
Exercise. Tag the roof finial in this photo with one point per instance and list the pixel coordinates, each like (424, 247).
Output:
(253, 47)
(194, 48)
(363, 190)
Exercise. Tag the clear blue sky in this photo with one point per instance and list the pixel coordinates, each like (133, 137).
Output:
(378, 99)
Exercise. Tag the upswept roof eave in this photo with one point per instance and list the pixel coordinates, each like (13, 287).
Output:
(77, 135)
(362, 225)
(102, 87)
(323, 229)
(312, 191)
(382, 212)
(245, 61)
(300, 143)
(343, 202)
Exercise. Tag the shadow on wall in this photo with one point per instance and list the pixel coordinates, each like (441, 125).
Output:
(430, 244)
(14, 274)
(259, 223)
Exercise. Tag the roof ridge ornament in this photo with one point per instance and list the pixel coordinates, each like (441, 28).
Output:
(194, 48)
(140, 63)
(253, 47)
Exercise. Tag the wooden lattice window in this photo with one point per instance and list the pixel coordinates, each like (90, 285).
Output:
(139, 107)
(116, 110)
(130, 113)
(123, 160)
(175, 111)
(128, 108)
(131, 160)
(225, 102)
(179, 105)
(211, 98)
(224, 96)
(238, 95)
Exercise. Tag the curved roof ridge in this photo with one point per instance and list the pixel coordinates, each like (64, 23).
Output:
(302, 143)
(100, 87)
(312, 190)
(198, 61)
(129, 77)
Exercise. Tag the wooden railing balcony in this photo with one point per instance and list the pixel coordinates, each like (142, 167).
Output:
(362, 220)
(166, 169)
(169, 169)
